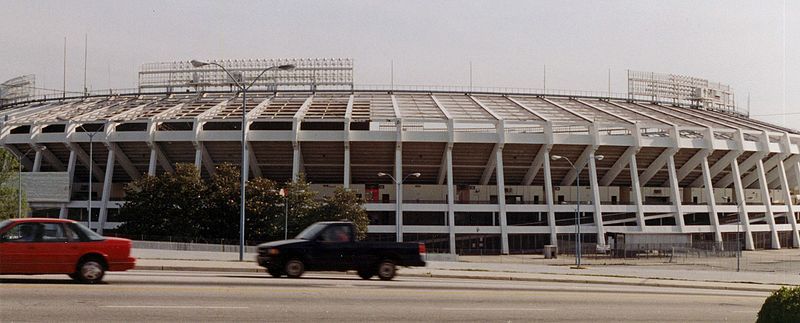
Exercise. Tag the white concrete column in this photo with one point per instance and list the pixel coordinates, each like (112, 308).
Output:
(398, 175)
(198, 157)
(744, 218)
(151, 169)
(787, 194)
(37, 160)
(296, 162)
(675, 194)
(762, 182)
(636, 189)
(347, 176)
(501, 201)
(109, 172)
(712, 203)
(451, 214)
(598, 212)
(548, 192)
(62, 214)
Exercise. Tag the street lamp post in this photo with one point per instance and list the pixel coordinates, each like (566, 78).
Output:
(19, 181)
(399, 204)
(91, 168)
(578, 208)
(244, 167)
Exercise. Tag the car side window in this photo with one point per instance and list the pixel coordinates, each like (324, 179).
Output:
(71, 234)
(53, 232)
(336, 233)
(23, 232)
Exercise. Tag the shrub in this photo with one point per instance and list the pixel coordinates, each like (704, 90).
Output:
(782, 306)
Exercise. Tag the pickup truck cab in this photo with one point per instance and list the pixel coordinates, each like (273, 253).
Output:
(332, 246)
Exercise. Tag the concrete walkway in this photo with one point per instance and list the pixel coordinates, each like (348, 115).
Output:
(151, 259)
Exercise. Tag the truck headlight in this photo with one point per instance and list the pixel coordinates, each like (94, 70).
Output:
(273, 252)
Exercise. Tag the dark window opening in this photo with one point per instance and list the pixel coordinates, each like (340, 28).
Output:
(21, 129)
(359, 126)
(223, 126)
(54, 128)
(322, 126)
(136, 126)
(176, 126)
(271, 126)
(90, 127)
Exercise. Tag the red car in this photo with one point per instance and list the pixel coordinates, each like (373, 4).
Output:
(54, 246)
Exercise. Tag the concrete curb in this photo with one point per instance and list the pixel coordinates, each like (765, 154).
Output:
(652, 282)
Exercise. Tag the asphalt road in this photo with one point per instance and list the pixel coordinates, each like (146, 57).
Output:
(204, 296)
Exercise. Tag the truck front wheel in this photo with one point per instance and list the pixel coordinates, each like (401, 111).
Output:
(294, 268)
(386, 270)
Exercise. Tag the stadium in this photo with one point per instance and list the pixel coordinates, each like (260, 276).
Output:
(478, 170)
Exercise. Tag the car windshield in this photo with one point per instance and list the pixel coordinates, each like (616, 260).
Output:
(4, 224)
(310, 232)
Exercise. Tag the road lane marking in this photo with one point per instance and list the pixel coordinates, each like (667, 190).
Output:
(175, 306)
(495, 309)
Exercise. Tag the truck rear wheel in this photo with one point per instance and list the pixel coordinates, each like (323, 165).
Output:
(294, 268)
(386, 270)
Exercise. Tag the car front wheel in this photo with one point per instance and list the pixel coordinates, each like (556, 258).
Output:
(90, 271)
(386, 270)
(294, 268)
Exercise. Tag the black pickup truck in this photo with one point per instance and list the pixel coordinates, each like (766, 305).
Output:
(332, 246)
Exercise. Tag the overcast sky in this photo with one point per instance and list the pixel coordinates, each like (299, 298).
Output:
(752, 45)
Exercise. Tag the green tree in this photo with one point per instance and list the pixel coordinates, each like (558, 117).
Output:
(345, 205)
(9, 193)
(264, 216)
(782, 306)
(302, 205)
(170, 204)
(222, 199)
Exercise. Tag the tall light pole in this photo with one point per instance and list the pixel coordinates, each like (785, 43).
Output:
(19, 180)
(578, 209)
(244, 167)
(399, 204)
(91, 135)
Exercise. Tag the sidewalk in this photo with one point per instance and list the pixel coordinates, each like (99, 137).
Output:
(151, 259)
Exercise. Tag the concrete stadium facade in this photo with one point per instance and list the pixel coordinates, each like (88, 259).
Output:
(488, 180)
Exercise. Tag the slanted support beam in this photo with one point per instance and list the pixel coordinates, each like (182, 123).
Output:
(64, 212)
(151, 167)
(712, 204)
(636, 189)
(53, 160)
(398, 175)
(598, 212)
(692, 164)
(787, 194)
(657, 165)
(253, 160)
(451, 214)
(501, 202)
(744, 166)
(771, 163)
(675, 194)
(579, 164)
(126, 163)
(619, 165)
(106, 190)
(548, 191)
(536, 165)
(161, 157)
(37, 160)
(719, 166)
(490, 164)
(744, 218)
(765, 197)
(97, 172)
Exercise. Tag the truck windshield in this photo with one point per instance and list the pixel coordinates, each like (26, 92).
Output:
(311, 231)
